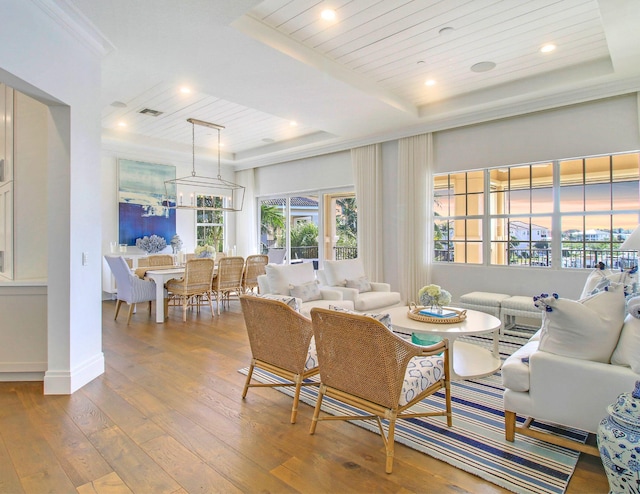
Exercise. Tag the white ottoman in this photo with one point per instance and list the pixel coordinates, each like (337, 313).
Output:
(518, 306)
(487, 302)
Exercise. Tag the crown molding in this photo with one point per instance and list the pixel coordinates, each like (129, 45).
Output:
(69, 17)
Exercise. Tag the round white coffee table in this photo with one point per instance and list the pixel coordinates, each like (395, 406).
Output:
(467, 360)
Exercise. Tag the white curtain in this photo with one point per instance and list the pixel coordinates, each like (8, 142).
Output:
(415, 202)
(246, 221)
(367, 172)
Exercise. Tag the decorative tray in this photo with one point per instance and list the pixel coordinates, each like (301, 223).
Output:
(457, 315)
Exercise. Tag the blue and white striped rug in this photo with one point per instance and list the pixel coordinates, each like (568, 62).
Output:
(476, 441)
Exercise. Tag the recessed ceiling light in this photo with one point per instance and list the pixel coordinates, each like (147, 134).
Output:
(483, 66)
(446, 30)
(122, 124)
(293, 123)
(185, 90)
(548, 48)
(430, 82)
(328, 14)
(119, 104)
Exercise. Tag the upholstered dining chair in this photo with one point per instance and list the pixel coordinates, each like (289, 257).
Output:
(194, 286)
(130, 288)
(365, 365)
(160, 260)
(254, 266)
(280, 340)
(228, 280)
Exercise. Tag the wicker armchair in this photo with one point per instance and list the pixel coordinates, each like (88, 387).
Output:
(254, 266)
(364, 365)
(228, 280)
(195, 286)
(131, 289)
(280, 343)
(160, 260)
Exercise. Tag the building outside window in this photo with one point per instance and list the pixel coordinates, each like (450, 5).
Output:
(567, 213)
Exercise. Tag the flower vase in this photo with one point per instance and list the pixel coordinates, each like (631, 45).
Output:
(619, 443)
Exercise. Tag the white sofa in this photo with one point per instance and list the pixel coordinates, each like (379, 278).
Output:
(348, 277)
(299, 280)
(572, 382)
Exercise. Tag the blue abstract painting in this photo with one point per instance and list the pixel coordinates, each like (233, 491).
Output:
(141, 201)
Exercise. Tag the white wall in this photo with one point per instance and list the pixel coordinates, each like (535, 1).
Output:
(62, 70)
(597, 127)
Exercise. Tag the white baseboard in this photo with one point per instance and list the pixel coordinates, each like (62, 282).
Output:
(66, 382)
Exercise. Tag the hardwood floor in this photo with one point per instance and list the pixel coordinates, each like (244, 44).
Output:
(167, 417)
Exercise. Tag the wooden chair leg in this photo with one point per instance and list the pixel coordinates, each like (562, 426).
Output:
(509, 425)
(390, 445)
(118, 304)
(149, 307)
(185, 303)
(296, 399)
(248, 381)
(131, 307)
(316, 411)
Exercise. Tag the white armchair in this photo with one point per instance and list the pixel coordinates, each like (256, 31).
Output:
(348, 277)
(298, 280)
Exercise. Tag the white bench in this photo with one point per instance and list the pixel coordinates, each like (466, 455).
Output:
(503, 306)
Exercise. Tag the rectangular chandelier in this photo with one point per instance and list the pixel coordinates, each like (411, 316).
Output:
(218, 194)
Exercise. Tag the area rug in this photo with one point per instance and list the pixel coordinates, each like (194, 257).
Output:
(476, 441)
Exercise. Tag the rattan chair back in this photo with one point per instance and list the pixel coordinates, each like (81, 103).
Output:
(277, 334)
(279, 338)
(196, 281)
(160, 260)
(229, 279)
(359, 355)
(254, 266)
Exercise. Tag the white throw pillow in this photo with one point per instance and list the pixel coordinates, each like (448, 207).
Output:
(586, 329)
(361, 284)
(281, 276)
(598, 279)
(338, 272)
(292, 302)
(307, 291)
(628, 350)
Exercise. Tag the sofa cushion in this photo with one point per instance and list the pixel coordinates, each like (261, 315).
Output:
(361, 284)
(338, 272)
(371, 301)
(307, 291)
(421, 373)
(305, 307)
(280, 276)
(585, 329)
(515, 369)
(627, 351)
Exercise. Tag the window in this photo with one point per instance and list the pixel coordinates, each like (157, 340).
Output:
(569, 213)
(308, 227)
(210, 224)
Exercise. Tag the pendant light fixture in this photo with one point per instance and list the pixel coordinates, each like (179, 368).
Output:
(201, 192)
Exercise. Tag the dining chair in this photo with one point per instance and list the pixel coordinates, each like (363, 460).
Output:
(254, 266)
(160, 260)
(228, 279)
(130, 288)
(194, 286)
(281, 343)
(366, 366)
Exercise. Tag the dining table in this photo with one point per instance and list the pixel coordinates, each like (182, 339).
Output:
(160, 275)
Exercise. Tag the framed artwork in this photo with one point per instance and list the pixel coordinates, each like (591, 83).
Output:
(142, 209)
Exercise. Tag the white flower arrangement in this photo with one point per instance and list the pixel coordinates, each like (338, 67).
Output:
(152, 244)
(433, 295)
(205, 251)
